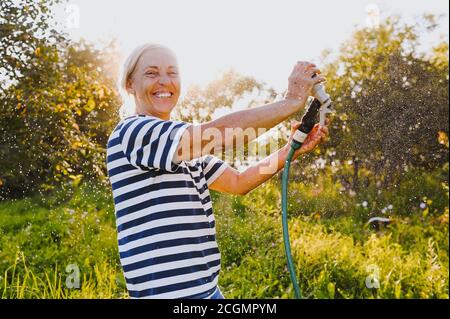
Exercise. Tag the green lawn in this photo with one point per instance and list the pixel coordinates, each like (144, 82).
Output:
(336, 254)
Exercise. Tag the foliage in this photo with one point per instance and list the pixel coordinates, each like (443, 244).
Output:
(38, 243)
(391, 100)
(25, 27)
(334, 253)
(57, 111)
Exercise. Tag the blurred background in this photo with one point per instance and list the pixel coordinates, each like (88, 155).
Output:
(386, 63)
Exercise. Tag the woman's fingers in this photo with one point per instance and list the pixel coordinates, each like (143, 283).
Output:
(320, 133)
(325, 134)
(311, 71)
(303, 65)
(295, 125)
(318, 79)
(317, 134)
(306, 68)
(301, 81)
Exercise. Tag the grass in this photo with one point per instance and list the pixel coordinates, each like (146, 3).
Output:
(38, 245)
(336, 254)
(103, 281)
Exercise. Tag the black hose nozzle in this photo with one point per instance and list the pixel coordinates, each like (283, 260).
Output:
(307, 123)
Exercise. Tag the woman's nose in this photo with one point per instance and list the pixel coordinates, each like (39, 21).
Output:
(164, 78)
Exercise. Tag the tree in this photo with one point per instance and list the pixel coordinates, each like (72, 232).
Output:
(25, 26)
(391, 100)
(57, 105)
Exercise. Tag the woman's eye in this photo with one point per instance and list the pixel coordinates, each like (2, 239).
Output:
(150, 73)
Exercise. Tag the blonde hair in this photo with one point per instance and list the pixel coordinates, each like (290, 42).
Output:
(133, 58)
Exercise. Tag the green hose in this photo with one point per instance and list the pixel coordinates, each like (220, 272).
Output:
(322, 106)
(287, 245)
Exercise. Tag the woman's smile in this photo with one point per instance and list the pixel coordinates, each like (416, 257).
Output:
(163, 94)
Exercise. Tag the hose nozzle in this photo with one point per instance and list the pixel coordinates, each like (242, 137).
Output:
(306, 124)
(322, 96)
(320, 105)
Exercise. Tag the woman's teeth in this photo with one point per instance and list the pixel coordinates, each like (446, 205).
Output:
(163, 95)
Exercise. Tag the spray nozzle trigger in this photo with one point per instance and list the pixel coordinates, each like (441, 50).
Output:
(325, 109)
(325, 100)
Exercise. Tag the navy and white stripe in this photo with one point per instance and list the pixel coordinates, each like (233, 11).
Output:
(165, 223)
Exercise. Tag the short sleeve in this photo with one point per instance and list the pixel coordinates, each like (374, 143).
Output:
(212, 167)
(149, 142)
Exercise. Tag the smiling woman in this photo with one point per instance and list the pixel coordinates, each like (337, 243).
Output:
(164, 216)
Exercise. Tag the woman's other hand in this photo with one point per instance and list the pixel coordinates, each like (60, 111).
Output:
(317, 135)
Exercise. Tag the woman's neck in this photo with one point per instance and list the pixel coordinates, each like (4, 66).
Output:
(142, 111)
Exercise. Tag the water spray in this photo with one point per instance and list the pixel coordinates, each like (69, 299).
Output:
(321, 105)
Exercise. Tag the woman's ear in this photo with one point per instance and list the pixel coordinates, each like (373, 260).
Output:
(130, 87)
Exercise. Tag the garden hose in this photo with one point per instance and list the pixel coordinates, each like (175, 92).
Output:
(322, 105)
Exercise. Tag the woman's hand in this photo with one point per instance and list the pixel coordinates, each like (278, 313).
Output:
(301, 81)
(317, 135)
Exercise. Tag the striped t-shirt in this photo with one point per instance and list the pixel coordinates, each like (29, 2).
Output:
(164, 218)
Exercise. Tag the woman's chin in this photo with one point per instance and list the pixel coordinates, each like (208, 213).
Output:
(163, 107)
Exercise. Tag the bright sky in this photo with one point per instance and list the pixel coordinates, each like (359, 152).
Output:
(260, 38)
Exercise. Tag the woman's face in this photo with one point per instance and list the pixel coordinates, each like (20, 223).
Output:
(155, 83)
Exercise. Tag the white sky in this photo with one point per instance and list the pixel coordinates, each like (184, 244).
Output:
(260, 38)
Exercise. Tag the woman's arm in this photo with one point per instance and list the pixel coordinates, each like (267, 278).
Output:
(240, 183)
(233, 182)
(210, 137)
